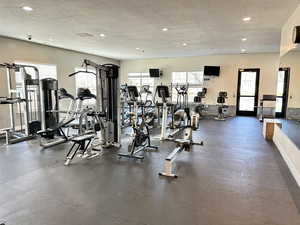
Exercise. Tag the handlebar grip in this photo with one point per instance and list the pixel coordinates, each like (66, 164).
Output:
(73, 74)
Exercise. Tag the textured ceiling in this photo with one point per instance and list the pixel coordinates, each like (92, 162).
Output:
(207, 26)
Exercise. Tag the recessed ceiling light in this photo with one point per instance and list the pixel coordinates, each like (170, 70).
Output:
(137, 48)
(165, 29)
(246, 19)
(244, 39)
(102, 35)
(184, 44)
(243, 50)
(27, 8)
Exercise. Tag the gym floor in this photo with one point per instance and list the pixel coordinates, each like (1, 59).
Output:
(237, 178)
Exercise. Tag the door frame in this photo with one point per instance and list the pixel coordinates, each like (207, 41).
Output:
(248, 113)
(285, 96)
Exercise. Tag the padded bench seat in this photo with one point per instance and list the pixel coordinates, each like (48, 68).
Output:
(83, 138)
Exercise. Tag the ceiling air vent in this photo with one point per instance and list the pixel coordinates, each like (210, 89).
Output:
(83, 35)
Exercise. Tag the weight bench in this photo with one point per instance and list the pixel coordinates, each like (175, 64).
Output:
(79, 143)
(50, 133)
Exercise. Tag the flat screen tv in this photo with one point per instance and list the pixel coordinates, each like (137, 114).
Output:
(154, 72)
(211, 70)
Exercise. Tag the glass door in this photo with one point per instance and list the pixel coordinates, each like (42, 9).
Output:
(282, 92)
(247, 95)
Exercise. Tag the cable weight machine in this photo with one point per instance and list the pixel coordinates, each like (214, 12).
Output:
(106, 111)
(23, 93)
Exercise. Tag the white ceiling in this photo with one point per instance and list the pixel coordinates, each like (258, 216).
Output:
(207, 26)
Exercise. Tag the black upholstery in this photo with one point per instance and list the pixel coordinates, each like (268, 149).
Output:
(221, 100)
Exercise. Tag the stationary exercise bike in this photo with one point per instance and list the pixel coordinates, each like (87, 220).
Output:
(222, 108)
(177, 117)
(141, 140)
(200, 107)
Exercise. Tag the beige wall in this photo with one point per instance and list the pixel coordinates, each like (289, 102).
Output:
(287, 32)
(291, 60)
(16, 50)
(268, 63)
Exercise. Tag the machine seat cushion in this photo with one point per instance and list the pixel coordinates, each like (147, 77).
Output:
(102, 114)
(83, 138)
(221, 100)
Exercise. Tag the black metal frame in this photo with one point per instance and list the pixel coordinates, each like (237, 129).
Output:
(82, 145)
(135, 149)
(247, 113)
(285, 95)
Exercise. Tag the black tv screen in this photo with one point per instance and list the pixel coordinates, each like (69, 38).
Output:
(154, 72)
(211, 71)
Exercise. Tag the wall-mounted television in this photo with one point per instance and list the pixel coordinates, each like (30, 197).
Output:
(212, 70)
(154, 72)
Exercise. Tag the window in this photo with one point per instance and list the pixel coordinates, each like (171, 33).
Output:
(280, 90)
(45, 71)
(179, 77)
(140, 79)
(85, 80)
(193, 79)
(135, 79)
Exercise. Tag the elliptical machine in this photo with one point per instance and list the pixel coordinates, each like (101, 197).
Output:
(141, 140)
(181, 111)
(182, 96)
(148, 98)
(222, 108)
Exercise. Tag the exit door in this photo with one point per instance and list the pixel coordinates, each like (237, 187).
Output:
(247, 92)
(282, 92)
